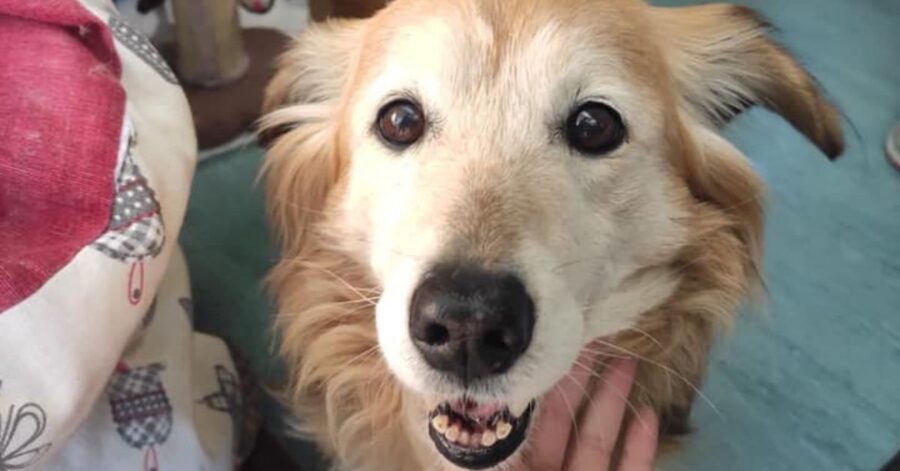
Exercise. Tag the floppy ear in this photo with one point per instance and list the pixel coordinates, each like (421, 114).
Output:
(317, 65)
(301, 106)
(724, 62)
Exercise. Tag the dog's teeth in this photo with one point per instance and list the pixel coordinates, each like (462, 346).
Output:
(452, 433)
(463, 438)
(488, 438)
(440, 423)
(503, 429)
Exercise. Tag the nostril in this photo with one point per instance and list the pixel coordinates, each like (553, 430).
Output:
(436, 335)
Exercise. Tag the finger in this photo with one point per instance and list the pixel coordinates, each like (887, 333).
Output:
(598, 433)
(557, 412)
(640, 442)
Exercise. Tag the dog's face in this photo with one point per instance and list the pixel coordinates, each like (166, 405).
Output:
(516, 177)
(527, 215)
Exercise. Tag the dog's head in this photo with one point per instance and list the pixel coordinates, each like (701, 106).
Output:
(519, 178)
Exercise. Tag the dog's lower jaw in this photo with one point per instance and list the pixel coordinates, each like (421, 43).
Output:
(417, 425)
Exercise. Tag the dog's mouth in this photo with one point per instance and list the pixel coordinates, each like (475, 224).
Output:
(477, 436)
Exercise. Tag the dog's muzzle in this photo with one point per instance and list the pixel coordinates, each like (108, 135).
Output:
(471, 325)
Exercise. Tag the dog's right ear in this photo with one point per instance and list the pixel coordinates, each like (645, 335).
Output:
(301, 108)
(313, 71)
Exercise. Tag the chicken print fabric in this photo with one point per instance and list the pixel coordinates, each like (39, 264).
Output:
(136, 229)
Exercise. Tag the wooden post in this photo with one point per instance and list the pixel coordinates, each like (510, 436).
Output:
(210, 49)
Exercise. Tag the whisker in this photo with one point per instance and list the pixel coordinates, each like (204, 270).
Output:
(348, 285)
(604, 353)
(631, 407)
(325, 305)
(648, 336)
(364, 304)
(574, 425)
(668, 370)
(366, 353)
(596, 374)
(590, 398)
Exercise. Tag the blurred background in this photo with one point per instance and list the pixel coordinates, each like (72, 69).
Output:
(808, 381)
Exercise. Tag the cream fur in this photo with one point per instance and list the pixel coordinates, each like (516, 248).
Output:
(650, 249)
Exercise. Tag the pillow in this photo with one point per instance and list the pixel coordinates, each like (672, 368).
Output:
(97, 151)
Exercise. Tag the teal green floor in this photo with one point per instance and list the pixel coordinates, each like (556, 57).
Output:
(811, 381)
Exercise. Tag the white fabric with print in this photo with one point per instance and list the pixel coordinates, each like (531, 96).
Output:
(101, 368)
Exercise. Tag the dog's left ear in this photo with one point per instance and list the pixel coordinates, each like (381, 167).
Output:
(300, 127)
(724, 63)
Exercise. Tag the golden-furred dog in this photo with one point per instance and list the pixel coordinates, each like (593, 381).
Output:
(468, 192)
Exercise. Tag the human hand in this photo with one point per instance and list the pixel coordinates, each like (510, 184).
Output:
(557, 448)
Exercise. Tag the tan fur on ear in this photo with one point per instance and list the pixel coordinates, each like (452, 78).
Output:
(317, 66)
(302, 105)
(724, 62)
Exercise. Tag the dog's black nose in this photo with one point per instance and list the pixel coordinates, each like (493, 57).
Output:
(469, 322)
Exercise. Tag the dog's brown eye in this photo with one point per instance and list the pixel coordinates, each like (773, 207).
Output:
(401, 123)
(594, 129)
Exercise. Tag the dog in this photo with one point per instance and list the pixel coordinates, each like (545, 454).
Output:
(469, 192)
